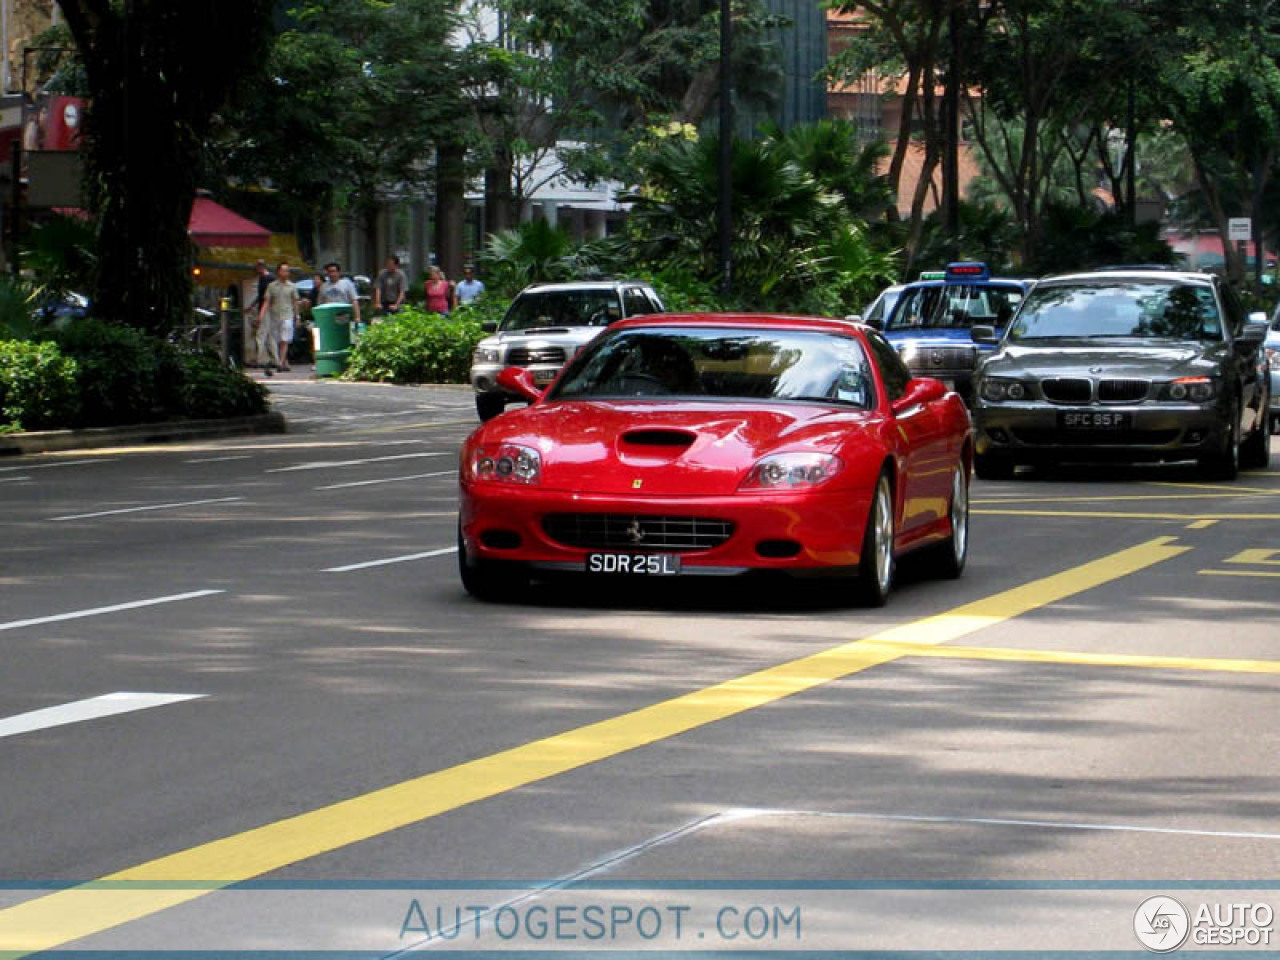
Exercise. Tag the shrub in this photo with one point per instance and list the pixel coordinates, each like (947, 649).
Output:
(207, 388)
(125, 375)
(38, 386)
(419, 347)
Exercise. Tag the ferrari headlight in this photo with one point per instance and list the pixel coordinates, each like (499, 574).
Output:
(792, 471)
(996, 389)
(483, 355)
(1191, 389)
(506, 463)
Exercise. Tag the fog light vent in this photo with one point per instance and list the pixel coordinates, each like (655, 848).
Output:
(500, 539)
(777, 549)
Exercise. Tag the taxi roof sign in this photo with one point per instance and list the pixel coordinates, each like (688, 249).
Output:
(967, 271)
(932, 275)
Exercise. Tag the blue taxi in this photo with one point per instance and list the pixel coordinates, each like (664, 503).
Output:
(929, 324)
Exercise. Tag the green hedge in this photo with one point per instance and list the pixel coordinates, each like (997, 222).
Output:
(39, 387)
(419, 347)
(93, 374)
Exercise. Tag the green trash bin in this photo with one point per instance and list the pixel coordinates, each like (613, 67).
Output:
(332, 337)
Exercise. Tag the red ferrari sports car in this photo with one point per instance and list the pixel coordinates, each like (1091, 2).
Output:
(719, 444)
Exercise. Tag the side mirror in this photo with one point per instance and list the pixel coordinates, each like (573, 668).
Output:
(920, 390)
(489, 326)
(853, 318)
(984, 334)
(519, 380)
(1254, 333)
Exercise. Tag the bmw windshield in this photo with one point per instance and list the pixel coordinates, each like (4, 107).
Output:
(734, 364)
(1130, 309)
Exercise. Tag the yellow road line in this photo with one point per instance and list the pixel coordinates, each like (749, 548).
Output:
(1238, 573)
(1201, 524)
(1150, 496)
(1014, 655)
(1264, 557)
(1230, 487)
(1118, 515)
(59, 918)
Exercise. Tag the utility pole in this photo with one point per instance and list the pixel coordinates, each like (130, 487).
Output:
(724, 211)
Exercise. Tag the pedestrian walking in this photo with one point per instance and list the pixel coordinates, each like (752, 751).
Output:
(389, 289)
(469, 288)
(439, 291)
(276, 319)
(340, 289)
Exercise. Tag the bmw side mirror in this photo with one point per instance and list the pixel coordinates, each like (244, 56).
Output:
(983, 333)
(1254, 333)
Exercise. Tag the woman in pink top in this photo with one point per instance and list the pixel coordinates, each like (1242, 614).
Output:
(439, 292)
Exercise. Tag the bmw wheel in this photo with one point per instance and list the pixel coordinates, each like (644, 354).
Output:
(1225, 465)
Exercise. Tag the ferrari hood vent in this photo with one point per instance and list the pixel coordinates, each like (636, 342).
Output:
(679, 439)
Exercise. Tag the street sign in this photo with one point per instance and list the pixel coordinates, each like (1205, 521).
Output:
(1239, 228)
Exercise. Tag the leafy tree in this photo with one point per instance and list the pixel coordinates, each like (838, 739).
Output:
(157, 72)
(357, 95)
(1224, 99)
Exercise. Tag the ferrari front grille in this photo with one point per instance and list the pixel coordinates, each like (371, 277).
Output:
(636, 532)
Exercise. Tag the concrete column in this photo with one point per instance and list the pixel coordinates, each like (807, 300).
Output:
(417, 264)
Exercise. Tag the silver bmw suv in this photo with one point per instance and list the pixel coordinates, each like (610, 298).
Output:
(546, 324)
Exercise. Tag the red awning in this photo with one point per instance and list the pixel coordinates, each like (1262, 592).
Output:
(213, 225)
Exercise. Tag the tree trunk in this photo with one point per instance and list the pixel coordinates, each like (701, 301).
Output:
(499, 206)
(157, 72)
(451, 181)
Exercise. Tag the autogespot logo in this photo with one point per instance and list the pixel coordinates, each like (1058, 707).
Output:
(1161, 924)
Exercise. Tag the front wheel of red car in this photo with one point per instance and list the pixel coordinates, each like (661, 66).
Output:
(489, 579)
(875, 565)
(948, 558)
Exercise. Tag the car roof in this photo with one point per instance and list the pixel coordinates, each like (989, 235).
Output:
(582, 285)
(1138, 273)
(992, 282)
(762, 321)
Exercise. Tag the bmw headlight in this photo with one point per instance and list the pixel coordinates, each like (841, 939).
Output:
(1191, 390)
(996, 389)
(486, 355)
(792, 471)
(506, 463)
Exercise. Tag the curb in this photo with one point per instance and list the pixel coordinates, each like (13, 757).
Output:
(49, 441)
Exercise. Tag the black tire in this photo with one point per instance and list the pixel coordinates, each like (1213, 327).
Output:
(489, 405)
(1225, 465)
(1255, 452)
(489, 579)
(876, 563)
(946, 560)
(993, 467)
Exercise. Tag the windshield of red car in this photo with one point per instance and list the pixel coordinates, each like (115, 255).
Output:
(562, 308)
(1130, 309)
(733, 364)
